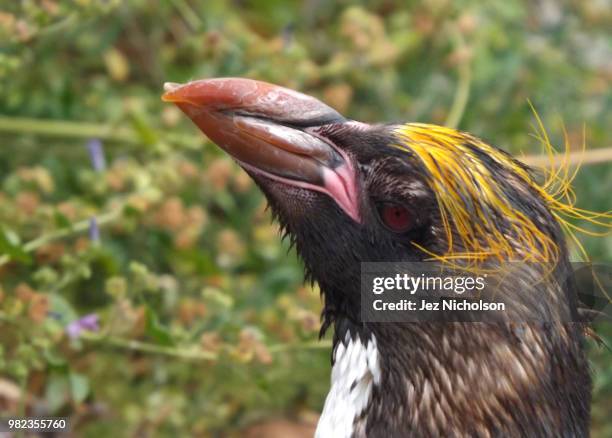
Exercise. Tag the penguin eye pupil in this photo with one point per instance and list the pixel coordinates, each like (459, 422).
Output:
(396, 217)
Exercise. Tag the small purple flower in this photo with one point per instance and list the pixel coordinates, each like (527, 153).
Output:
(96, 154)
(88, 322)
(94, 230)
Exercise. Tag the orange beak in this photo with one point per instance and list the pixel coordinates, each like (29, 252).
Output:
(268, 130)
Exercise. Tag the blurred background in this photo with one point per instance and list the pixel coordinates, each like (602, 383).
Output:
(144, 289)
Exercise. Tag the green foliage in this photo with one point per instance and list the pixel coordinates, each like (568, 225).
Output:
(204, 324)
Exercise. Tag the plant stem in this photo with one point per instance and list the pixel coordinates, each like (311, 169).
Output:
(62, 128)
(145, 347)
(70, 129)
(188, 14)
(310, 345)
(462, 93)
(592, 156)
(134, 345)
(78, 227)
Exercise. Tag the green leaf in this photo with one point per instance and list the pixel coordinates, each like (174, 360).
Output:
(79, 387)
(61, 309)
(130, 211)
(216, 296)
(61, 221)
(143, 128)
(54, 359)
(56, 392)
(10, 245)
(155, 329)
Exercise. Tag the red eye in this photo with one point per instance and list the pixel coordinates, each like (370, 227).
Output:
(396, 217)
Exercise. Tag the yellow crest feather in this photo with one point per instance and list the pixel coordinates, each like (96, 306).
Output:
(470, 197)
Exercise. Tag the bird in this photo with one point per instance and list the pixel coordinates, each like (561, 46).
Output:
(347, 192)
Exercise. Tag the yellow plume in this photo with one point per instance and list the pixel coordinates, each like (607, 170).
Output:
(472, 200)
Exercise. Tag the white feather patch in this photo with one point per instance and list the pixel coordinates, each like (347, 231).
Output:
(355, 370)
